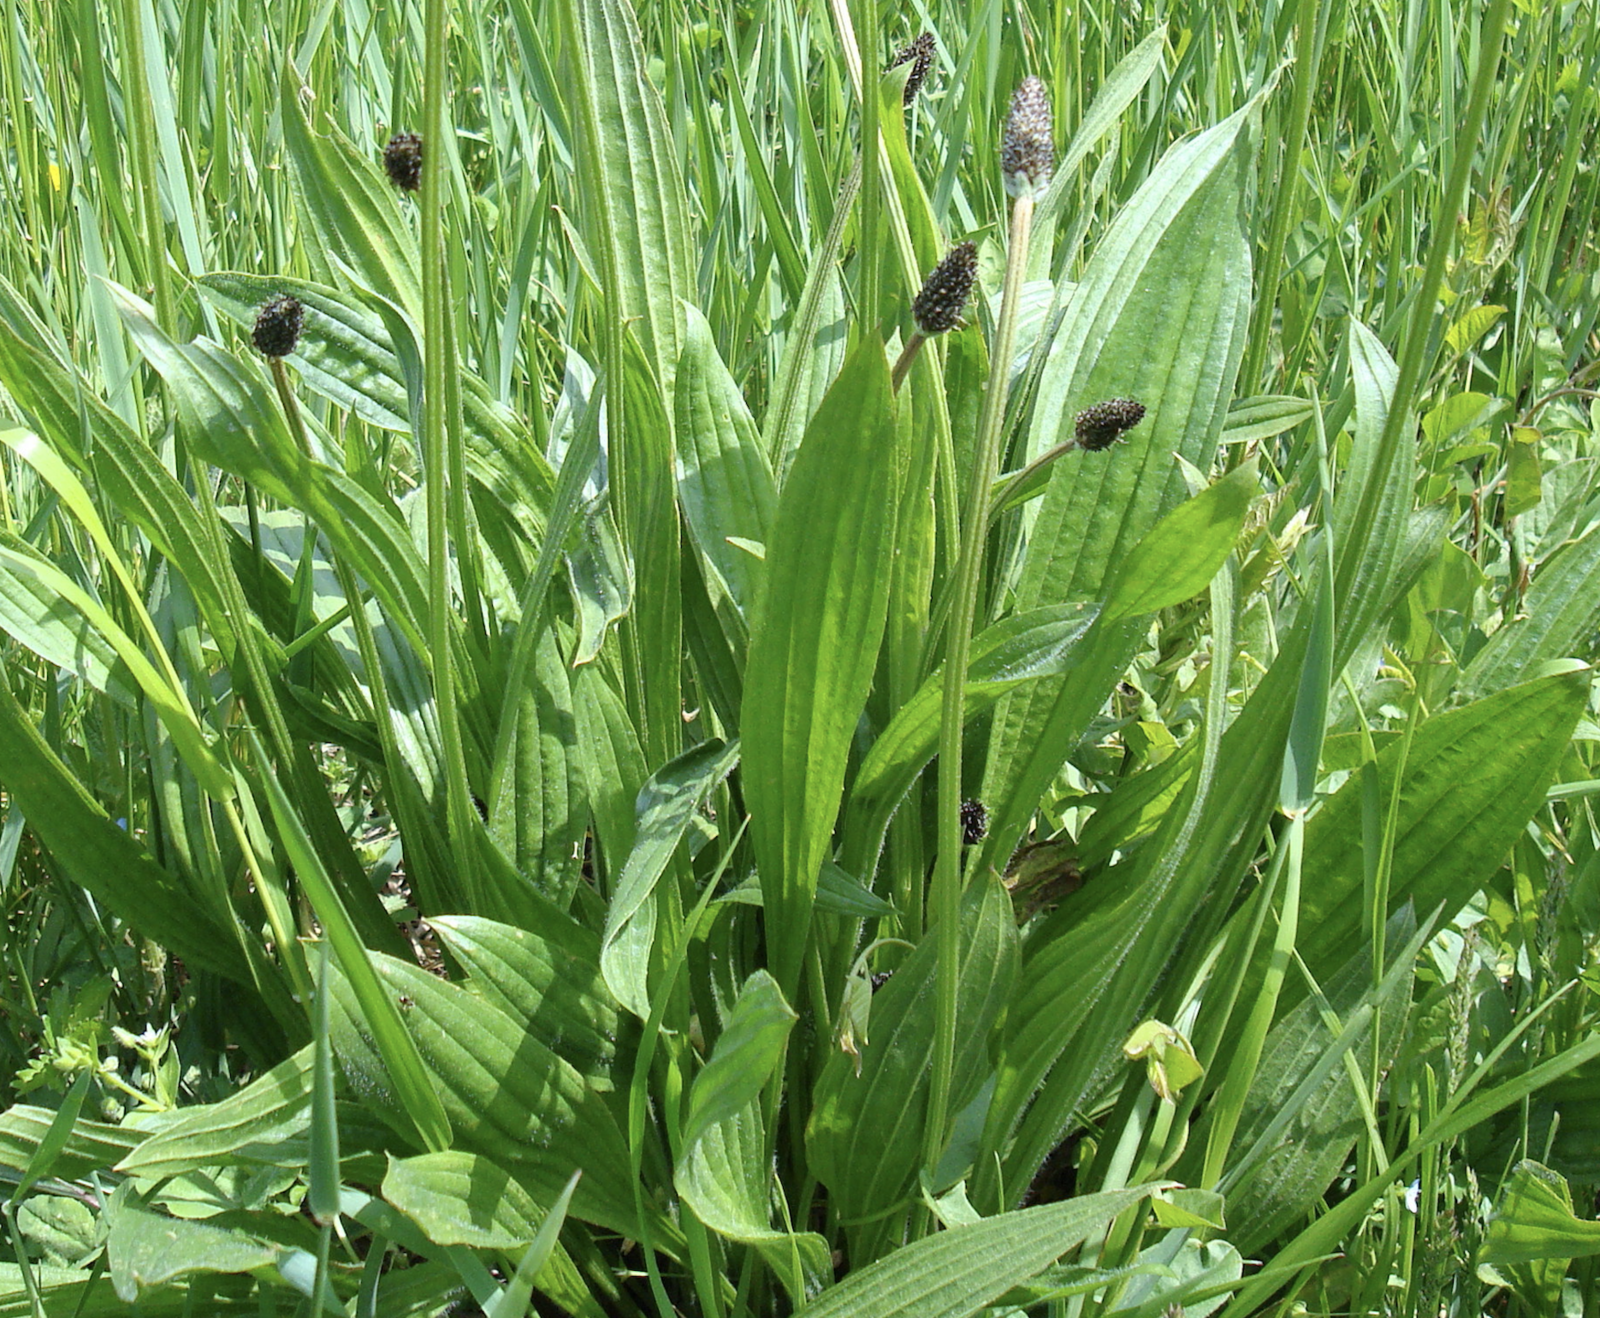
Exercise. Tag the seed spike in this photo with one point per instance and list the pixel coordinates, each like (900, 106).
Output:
(1101, 426)
(919, 54)
(1027, 151)
(402, 161)
(277, 327)
(943, 297)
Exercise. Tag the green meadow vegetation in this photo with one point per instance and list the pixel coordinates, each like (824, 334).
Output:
(746, 657)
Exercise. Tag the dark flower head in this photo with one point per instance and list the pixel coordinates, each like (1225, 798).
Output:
(943, 297)
(919, 55)
(974, 822)
(277, 326)
(1100, 426)
(402, 161)
(1027, 150)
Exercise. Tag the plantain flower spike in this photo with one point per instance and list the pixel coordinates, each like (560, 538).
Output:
(1101, 426)
(402, 161)
(1027, 152)
(277, 327)
(919, 54)
(943, 297)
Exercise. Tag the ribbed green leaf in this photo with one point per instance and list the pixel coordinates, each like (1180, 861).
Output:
(1177, 558)
(865, 1136)
(1160, 315)
(507, 1096)
(725, 1177)
(814, 643)
(349, 205)
(146, 1250)
(725, 484)
(264, 1123)
(961, 1272)
(667, 805)
(548, 976)
(635, 215)
(1020, 648)
(745, 1055)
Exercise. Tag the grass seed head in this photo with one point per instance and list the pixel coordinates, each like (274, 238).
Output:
(1102, 425)
(974, 822)
(278, 326)
(1027, 150)
(919, 55)
(943, 296)
(402, 161)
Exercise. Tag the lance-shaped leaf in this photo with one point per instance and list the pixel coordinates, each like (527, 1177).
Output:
(814, 644)
(667, 804)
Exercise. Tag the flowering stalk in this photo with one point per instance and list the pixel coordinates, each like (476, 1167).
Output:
(1026, 159)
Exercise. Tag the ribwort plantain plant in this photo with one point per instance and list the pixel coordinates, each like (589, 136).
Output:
(541, 765)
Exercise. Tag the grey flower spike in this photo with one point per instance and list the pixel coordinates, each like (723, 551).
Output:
(919, 54)
(943, 297)
(277, 327)
(1100, 426)
(1027, 150)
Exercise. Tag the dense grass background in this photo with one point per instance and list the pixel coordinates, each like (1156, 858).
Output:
(1301, 714)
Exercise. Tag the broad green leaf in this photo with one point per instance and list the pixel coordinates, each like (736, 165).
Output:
(1372, 498)
(814, 642)
(94, 852)
(1560, 616)
(506, 1095)
(44, 1157)
(1020, 648)
(1177, 557)
(1534, 1220)
(1251, 420)
(959, 1273)
(725, 1177)
(35, 614)
(667, 805)
(147, 1250)
(460, 1198)
(548, 976)
(634, 213)
(90, 1146)
(539, 823)
(373, 1006)
(602, 580)
(349, 205)
(1473, 778)
(865, 1136)
(265, 1122)
(1160, 315)
(745, 1055)
(725, 484)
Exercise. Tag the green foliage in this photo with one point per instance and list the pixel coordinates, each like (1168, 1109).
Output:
(471, 789)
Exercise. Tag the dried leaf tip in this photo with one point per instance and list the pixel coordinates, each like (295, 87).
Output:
(943, 297)
(919, 55)
(1027, 150)
(1100, 426)
(402, 161)
(277, 327)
